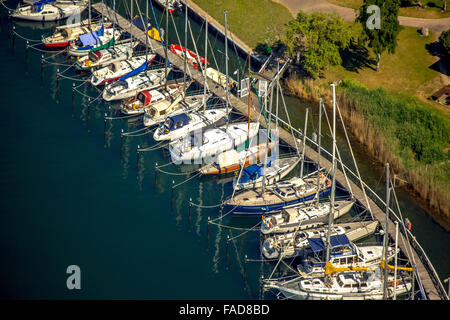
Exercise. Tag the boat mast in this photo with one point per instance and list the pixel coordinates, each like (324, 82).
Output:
(167, 41)
(226, 66)
(304, 143)
(269, 133)
(131, 20)
(146, 31)
(206, 59)
(185, 46)
(386, 234)
(89, 9)
(318, 150)
(333, 182)
(249, 100)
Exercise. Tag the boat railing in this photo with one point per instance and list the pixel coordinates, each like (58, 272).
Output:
(380, 203)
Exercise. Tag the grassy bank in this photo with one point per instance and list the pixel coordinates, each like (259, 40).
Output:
(254, 21)
(398, 130)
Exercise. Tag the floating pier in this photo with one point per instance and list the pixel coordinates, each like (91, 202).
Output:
(429, 282)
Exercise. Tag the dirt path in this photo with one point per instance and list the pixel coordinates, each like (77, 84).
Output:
(349, 14)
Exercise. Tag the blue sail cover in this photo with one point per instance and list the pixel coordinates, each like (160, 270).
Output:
(101, 31)
(338, 240)
(139, 22)
(183, 118)
(254, 171)
(89, 39)
(134, 72)
(39, 4)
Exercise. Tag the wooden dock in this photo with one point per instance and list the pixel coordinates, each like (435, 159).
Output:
(428, 277)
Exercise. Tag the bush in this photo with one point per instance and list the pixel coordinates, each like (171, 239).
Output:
(444, 40)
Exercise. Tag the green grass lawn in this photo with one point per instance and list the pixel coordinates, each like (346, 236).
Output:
(407, 72)
(431, 11)
(253, 21)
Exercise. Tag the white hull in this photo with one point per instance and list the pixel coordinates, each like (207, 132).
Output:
(197, 123)
(215, 142)
(145, 80)
(49, 12)
(113, 73)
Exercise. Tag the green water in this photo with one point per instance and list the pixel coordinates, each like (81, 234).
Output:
(73, 192)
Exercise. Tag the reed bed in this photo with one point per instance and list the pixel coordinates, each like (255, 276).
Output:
(398, 130)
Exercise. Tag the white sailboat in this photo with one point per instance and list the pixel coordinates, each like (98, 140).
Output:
(211, 142)
(147, 98)
(129, 87)
(181, 125)
(47, 10)
(293, 244)
(348, 285)
(104, 37)
(115, 71)
(181, 104)
(105, 57)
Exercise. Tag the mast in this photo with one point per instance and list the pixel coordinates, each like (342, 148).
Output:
(206, 59)
(226, 66)
(267, 135)
(167, 41)
(146, 31)
(89, 9)
(304, 143)
(386, 234)
(185, 46)
(333, 172)
(249, 99)
(131, 20)
(318, 150)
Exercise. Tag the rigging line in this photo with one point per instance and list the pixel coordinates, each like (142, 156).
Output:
(289, 120)
(131, 133)
(190, 178)
(158, 146)
(199, 63)
(45, 51)
(354, 160)
(235, 49)
(175, 173)
(206, 207)
(246, 230)
(73, 79)
(230, 227)
(163, 43)
(3, 4)
(223, 215)
(214, 56)
(24, 38)
(340, 159)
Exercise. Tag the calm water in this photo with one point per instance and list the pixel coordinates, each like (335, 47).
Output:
(75, 193)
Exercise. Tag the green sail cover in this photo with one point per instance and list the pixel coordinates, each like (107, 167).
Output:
(110, 43)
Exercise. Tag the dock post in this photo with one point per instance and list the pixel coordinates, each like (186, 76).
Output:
(245, 268)
(26, 53)
(261, 287)
(190, 207)
(13, 37)
(73, 100)
(227, 260)
(207, 232)
(89, 115)
(156, 170)
(121, 142)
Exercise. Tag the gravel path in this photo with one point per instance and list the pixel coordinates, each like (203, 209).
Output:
(349, 14)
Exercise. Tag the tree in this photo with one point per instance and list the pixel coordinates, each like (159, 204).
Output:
(385, 37)
(316, 39)
(444, 40)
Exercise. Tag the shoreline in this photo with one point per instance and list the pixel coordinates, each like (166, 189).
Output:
(376, 149)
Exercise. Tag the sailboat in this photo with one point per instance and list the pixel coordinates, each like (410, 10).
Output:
(366, 284)
(344, 254)
(275, 170)
(147, 98)
(172, 4)
(192, 58)
(115, 71)
(61, 38)
(104, 57)
(181, 124)
(130, 85)
(47, 10)
(302, 216)
(103, 38)
(293, 244)
(232, 160)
